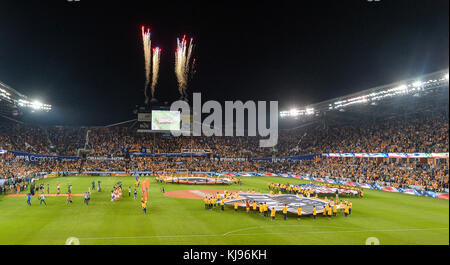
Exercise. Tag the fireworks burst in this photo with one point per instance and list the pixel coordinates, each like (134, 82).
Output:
(155, 69)
(146, 40)
(183, 64)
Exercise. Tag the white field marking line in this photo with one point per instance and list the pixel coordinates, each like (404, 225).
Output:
(253, 234)
(348, 231)
(268, 226)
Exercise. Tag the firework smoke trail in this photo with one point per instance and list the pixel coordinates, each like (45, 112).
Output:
(183, 68)
(146, 41)
(155, 68)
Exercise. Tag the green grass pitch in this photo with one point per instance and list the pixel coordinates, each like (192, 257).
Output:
(392, 218)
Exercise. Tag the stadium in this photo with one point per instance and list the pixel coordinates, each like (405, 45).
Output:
(402, 180)
(369, 167)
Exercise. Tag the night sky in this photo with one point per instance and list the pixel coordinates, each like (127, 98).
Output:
(86, 58)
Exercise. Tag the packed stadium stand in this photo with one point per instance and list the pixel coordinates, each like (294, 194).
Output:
(410, 116)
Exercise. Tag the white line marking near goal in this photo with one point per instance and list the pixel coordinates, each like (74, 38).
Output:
(257, 234)
(72, 241)
(372, 241)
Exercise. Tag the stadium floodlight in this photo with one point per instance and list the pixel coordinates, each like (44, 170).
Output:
(13, 99)
(417, 84)
(446, 76)
(34, 105)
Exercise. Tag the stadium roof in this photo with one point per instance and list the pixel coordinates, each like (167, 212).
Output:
(11, 99)
(420, 94)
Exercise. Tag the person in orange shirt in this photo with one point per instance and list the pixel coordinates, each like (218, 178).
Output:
(69, 197)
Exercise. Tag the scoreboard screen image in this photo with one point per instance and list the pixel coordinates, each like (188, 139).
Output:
(165, 120)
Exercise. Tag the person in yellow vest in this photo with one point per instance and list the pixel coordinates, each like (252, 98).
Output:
(329, 211)
(138, 181)
(346, 210)
(299, 212)
(279, 192)
(144, 206)
(208, 202)
(334, 210)
(211, 202)
(205, 200)
(285, 212)
(261, 209)
(222, 205)
(235, 206)
(324, 210)
(272, 213)
(254, 206)
(362, 193)
(350, 208)
(266, 210)
(314, 212)
(271, 193)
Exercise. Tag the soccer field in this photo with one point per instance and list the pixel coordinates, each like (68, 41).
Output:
(392, 218)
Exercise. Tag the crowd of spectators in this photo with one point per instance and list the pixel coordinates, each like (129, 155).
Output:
(421, 134)
(414, 134)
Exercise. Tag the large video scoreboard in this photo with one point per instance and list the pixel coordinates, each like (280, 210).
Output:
(161, 121)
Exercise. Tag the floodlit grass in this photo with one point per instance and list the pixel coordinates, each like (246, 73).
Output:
(390, 217)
